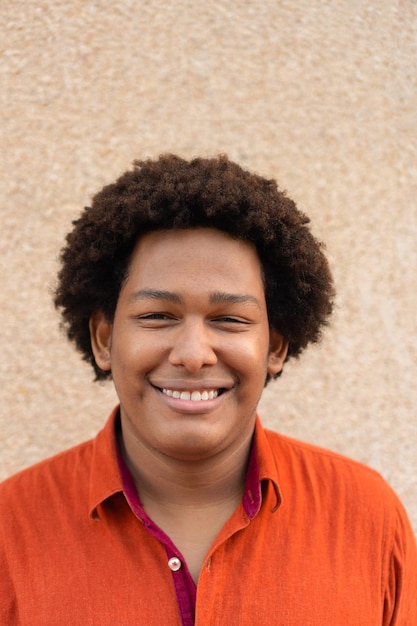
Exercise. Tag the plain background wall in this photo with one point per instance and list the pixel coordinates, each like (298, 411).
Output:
(319, 94)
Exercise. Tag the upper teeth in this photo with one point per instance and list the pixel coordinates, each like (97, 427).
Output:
(196, 396)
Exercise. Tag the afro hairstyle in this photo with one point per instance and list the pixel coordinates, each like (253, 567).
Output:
(173, 193)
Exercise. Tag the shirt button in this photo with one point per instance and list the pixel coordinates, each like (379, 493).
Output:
(174, 564)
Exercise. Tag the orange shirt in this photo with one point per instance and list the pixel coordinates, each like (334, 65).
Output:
(330, 545)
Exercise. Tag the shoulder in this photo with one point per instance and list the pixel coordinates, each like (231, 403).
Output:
(328, 495)
(331, 476)
(58, 461)
(312, 455)
(341, 489)
(38, 483)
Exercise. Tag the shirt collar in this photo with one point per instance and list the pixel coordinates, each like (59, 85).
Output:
(267, 466)
(106, 476)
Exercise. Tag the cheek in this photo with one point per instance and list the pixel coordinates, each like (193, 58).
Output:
(249, 356)
(134, 354)
(124, 355)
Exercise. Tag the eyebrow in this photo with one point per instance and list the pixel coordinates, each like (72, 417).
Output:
(156, 294)
(220, 297)
(217, 297)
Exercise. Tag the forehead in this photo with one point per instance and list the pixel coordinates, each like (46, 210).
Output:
(205, 254)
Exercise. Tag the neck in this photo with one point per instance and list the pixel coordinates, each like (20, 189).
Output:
(175, 482)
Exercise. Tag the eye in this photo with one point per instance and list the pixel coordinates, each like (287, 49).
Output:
(154, 320)
(231, 320)
(154, 316)
(231, 323)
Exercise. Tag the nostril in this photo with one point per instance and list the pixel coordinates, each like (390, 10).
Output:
(192, 354)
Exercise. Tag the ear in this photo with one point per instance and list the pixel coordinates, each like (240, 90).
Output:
(278, 348)
(100, 335)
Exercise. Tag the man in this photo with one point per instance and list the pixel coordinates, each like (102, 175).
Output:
(189, 284)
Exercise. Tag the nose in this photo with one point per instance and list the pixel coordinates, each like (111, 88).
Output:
(193, 347)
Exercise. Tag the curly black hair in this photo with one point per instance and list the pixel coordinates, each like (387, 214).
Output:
(173, 193)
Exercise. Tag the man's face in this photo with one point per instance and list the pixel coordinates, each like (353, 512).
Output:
(189, 348)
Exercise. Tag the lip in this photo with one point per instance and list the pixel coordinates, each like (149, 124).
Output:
(193, 385)
(191, 407)
(196, 396)
(194, 407)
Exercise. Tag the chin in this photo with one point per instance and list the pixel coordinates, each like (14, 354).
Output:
(194, 447)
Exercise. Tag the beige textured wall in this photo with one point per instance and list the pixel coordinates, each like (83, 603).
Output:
(321, 94)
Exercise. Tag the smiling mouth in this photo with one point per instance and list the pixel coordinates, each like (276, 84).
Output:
(194, 396)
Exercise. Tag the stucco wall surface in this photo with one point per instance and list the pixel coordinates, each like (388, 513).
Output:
(319, 94)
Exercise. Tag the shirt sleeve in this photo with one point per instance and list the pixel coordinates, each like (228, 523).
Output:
(8, 608)
(400, 601)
